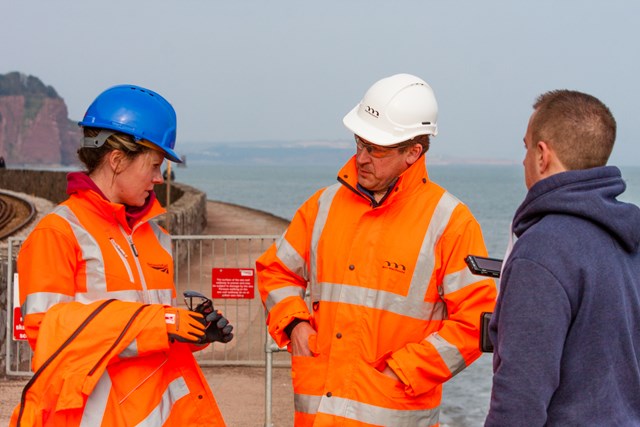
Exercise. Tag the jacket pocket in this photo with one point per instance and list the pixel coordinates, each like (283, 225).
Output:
(308, 374)
(381, 385)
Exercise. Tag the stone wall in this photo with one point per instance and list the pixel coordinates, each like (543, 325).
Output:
(187, 205)
(50, 185)
(187, 209)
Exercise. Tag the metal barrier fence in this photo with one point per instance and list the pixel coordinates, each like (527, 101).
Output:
(195, 258)
(18, 353)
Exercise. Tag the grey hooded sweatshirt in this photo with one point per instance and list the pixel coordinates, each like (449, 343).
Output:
(566, 326)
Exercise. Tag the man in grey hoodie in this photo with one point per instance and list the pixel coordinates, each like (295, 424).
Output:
(566, 326)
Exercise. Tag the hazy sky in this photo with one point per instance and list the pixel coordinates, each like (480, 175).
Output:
(290, 70)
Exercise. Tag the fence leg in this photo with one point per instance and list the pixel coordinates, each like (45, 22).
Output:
(268, 379)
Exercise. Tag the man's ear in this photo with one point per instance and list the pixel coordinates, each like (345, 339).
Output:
(548, 161)
(414, 154)
(542, 156)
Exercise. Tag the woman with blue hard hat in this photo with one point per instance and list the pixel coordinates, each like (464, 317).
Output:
(111, 347)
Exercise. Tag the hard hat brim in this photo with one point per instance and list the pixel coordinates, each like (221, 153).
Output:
(169, 154)
(365, 130)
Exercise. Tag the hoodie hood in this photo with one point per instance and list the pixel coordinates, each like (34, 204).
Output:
(590, 194)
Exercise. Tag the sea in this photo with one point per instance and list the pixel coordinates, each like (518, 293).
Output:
(492, 192)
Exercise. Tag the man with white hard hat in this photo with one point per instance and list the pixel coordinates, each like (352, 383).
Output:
(393, 310)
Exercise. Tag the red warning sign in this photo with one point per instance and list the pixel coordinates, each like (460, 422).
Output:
(18, 323)
(232, 283)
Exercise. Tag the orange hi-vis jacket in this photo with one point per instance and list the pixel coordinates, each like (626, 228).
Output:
(82, 253)
(388, 285)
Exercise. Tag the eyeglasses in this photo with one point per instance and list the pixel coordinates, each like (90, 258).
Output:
(375, 151)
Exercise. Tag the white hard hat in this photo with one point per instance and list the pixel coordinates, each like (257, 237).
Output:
(395, 109)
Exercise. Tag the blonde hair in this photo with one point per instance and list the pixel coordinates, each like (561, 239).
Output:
(92, 157)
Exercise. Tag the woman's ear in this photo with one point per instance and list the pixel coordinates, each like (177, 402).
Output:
(116, 159)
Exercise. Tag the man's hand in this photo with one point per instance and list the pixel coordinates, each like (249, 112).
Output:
(389, 372)
(219, 329)
(300, 339)
(184, 325)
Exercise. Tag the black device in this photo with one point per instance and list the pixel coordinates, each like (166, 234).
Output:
(484, 266)
(203, 305)
(490, 267)
(486, 345)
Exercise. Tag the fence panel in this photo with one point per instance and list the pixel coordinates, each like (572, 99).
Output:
(18, 353)
(195, 257)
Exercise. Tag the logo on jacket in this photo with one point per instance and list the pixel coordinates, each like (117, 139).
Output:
(400, 268)
(372, 111)
(160, 267)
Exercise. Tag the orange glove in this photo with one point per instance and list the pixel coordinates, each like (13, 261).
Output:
(184, 325)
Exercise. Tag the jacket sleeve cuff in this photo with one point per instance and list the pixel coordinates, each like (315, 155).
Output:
(289, 328)
(281, 317)
(398, 371)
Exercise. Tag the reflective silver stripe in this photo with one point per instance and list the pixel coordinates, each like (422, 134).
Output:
(291, 258)
(130, 351)
(154, 296)
(278, 295)
(380, 300)
(364, 412)
(412, 305)
(163, 238)
(177, 389)
(97, 402)
(96, 280)
(458, 280)
(426, 257)
(324, 204)
(306, 403)
(95, 275)
(40, 302)
(448, 352)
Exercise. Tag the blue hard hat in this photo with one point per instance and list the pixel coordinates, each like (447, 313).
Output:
(135, 111)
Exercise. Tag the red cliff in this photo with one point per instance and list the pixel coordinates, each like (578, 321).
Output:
(34, 124)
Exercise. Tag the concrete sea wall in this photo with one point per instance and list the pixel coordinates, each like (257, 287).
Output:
(187, 205)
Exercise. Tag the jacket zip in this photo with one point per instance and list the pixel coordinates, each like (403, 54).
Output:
(137, 261)
(123, 257)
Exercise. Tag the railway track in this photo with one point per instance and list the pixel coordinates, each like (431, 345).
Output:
(15, 213)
